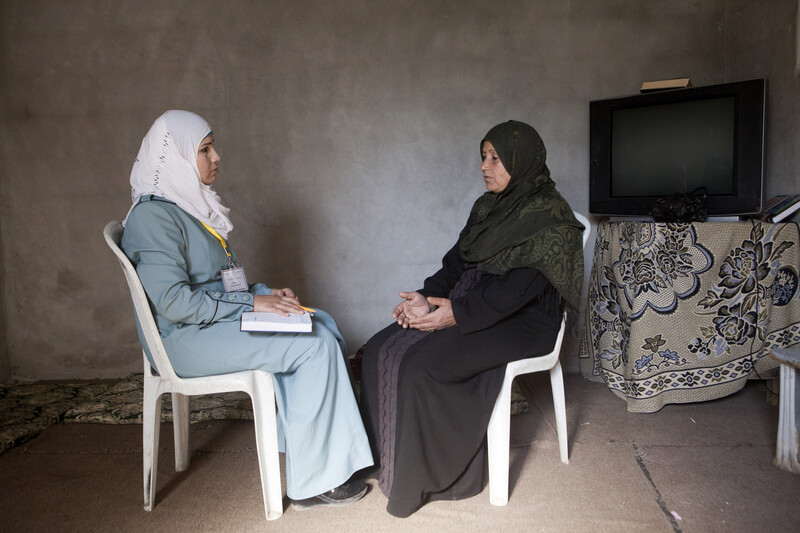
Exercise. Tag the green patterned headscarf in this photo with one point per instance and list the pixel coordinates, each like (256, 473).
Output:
(529, 224)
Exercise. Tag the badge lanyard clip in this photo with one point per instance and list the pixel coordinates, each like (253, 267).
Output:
(233, 277)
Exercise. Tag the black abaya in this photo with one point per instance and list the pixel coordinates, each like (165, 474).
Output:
(448, 380)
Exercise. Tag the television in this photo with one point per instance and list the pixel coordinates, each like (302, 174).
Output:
(652, 145)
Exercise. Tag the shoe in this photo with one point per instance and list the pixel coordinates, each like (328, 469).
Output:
(346, 493)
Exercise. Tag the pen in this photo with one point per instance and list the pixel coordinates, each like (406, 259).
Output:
(308, 309)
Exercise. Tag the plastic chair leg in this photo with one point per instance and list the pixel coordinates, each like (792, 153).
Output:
(151, 420)
(180, 427)
(498, 442)
(266, 429)
(557, 384)
(787, 449)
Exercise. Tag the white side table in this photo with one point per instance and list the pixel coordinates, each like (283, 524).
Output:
(787, 453)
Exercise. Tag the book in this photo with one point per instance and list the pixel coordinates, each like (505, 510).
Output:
(779, 207)
(273, 322)
(660, 85)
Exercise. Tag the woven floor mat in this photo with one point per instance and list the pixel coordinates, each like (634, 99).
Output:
(27, 409)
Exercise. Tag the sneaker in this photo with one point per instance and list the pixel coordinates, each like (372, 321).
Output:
(348, 492)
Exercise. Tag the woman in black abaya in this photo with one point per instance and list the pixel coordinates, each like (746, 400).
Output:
(430, 380)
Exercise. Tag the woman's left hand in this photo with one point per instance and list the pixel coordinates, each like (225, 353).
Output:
(441, 318)
(281, 301)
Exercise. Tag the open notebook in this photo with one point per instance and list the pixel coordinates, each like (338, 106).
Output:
(253, 321)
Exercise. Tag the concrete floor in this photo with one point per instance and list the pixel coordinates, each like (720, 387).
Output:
(693, 468)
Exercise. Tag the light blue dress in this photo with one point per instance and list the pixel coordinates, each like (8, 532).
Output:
(319, 424)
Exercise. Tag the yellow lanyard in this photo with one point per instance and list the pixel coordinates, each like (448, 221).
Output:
(220, 239)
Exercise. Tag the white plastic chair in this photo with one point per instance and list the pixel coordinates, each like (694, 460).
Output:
(498, 432)
(787, 448)
(258, 384)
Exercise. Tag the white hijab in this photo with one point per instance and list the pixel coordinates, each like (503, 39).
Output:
(167, 166)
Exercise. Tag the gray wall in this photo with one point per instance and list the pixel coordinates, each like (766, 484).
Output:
(348, 132)
(5, 365)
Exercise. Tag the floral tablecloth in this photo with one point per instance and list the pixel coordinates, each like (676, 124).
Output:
(681, 313)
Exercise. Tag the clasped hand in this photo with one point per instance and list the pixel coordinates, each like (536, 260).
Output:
(426, 314)
(279, 301)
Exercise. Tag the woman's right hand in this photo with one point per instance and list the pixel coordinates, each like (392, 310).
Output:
(279, 301)
(414, 305)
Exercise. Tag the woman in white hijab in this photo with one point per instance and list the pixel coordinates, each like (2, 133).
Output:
(176, 235)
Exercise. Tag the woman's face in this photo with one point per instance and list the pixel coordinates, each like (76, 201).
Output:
(494, 173)
(207, 159)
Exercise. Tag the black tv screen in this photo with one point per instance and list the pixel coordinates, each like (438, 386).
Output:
(647, 146)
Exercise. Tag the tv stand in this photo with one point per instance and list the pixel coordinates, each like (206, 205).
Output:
(732, 218)
(686, 313)
(648, 218)
(630, 218)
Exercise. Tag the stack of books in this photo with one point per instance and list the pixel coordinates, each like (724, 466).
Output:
(778, 208)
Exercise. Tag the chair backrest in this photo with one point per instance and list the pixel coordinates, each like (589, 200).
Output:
(113, 235)
(587, 227)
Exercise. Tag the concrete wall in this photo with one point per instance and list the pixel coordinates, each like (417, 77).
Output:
(5, 365)
(348, 132)
(762, 41)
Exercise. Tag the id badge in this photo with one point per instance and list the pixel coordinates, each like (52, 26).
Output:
(233, 278)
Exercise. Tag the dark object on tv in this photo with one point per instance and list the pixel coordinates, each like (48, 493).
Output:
(682, 207)
(649, 146)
